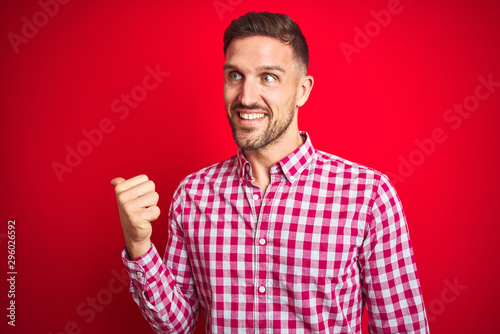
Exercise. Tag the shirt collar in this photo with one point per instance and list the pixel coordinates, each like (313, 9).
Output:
(292, 165)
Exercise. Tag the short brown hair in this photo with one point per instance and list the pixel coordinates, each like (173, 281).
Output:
(278, 26)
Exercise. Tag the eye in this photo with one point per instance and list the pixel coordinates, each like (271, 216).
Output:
(234, 76)
(268, 78)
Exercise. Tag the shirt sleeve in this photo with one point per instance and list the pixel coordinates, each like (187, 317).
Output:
(166, 295)
(390, 284)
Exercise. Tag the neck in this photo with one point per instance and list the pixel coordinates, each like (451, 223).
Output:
(264, 158)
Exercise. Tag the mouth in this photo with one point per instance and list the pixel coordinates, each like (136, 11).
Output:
(251, 116)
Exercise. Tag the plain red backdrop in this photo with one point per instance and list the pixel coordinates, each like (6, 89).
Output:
(376, 97)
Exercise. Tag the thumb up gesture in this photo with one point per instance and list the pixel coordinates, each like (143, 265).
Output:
(137, 205)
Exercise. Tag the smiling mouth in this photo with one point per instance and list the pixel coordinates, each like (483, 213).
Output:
(251, 115)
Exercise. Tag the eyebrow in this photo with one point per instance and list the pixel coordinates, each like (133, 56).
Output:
(260, 68)
(271, 68)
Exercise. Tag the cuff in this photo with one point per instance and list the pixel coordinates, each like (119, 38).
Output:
(143, 269)
(150, 279)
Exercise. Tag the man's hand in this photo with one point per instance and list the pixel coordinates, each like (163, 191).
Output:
(137, 201)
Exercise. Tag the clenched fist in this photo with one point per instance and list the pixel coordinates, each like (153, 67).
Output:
(137, 205)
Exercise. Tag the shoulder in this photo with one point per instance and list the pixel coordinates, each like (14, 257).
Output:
(217, 173)
(346, 169)
(356, 178)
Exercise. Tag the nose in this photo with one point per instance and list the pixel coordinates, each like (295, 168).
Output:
(249, 93)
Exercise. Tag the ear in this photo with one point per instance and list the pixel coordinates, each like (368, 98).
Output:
(305, 87)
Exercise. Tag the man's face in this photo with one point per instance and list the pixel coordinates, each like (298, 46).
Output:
(260, 90)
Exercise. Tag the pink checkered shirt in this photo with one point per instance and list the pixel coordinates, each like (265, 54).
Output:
(327, 237)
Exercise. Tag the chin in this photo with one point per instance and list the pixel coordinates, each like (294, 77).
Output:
(247, 143)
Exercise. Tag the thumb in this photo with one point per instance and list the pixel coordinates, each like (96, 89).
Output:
(117, 180)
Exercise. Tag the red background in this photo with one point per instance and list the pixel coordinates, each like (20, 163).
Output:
(395, 91)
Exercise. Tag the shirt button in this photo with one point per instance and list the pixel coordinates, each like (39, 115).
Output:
(139, 274)
(292, 178)
(262, 289)
(262, 241)
(255, 197)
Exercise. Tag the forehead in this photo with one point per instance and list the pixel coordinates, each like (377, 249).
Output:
(259, 51)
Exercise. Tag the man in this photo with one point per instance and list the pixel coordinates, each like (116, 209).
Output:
(281, 237)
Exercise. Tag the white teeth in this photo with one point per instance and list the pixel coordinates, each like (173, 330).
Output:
(251, 116)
